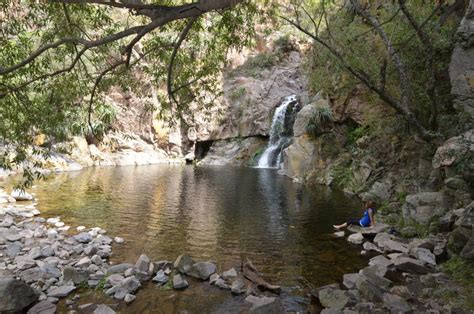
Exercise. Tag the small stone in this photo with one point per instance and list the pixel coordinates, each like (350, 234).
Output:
(143, 263)
(83, 262)
(333, 298)
(381, 261)
(103, 309)
(202, 270)
(349, 280)
(410, 265)
(161, 277)
(356, 238)
(369, 246)
(119, 268)
(425, 256)
(129, 298)
(394, 246)
(61, 292)
(221, 284)
(395, 303)
(238, 287)
(83, 237)
(118, 240)
(213, 278)
(96, 260)
(261, 302)
(339, 234)
(179, 282)
(80, 228)
(231, 273)
(43, 307)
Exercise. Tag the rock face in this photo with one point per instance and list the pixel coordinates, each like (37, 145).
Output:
(15, 295)
(461, 68)
(423, 206)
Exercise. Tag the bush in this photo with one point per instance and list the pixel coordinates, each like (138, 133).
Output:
(320, 122)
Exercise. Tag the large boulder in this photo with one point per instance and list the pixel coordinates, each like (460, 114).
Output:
(422, 207)
(15, 295)
(183, 263)
(458, 239)
(298, 158)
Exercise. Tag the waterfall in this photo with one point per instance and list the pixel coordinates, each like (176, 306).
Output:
(279, 137)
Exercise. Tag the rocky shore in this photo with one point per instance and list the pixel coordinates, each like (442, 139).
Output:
(44, 260)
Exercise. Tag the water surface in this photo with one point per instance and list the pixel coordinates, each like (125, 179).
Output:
(223, 214)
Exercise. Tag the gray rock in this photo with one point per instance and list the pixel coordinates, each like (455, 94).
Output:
(43, 307)
(61, 292)
(40, 273)
(143, 263)
(425, 256)
(381, 261)
(130, 284)
(13, 248)
(369, 290)
(183, 263)
(161, 277)
(24, 262)
(115, 279)
(458, 239)
(21, 195)
(179, 282)
(238, 287)
(96, 260)
(356, 238)
(90, 250)
(394, 246)
(378, 228)
(35, 253)
(83, 262)
(201, 270)
(228, 274)
(83, 237)
(381, 238)
(422, 206)
(103, 309)
(75, 275)
(372, 275)
(213, 278)
(369, 246)
(339, 234)
(119, 268)
(334, 298)
(395, 303)
(129, 298)
(118, 240)
(221, 284)
(260, 303)
(349, 280)
(410, 265)
(15, 295)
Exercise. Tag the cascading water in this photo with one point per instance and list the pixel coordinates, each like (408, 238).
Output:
(279, 138)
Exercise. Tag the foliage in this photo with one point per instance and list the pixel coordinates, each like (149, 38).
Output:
(459, 269)
(342, 174)
(237, 93)
(361, 47)
(320, 121)
(101, 284)
(256, 156)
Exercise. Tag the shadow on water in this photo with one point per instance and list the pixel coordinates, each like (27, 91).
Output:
(224, 214)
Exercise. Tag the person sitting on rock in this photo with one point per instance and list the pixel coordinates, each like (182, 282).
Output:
(368, 220)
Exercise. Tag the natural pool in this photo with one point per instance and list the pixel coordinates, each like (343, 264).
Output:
(223, 214)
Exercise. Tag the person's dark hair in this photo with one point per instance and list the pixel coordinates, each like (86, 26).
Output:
(370, 204)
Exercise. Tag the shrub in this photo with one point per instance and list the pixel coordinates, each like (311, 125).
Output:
(320, 122)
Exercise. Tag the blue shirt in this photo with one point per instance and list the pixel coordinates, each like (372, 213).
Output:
(365, 220)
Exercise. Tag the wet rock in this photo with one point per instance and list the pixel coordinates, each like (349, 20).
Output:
(339, 234)
(263, 304)
(83, 237)
(425, 256)
(349, 280)
(368, 290)
(119, 268)
(183, 263)
(238, 286)
(356, 238)
(143, 263)
(228, 274)
(129, 298)
(161, 277)
(381, 238)
(410, 265)
(103, 309)
(394, 246)
(380, 260)
(201, 270)
(221, 284)
(21, 195)
(179, 282)
(396, 303)
(43, 307)
(213, 278)
(369, 246)
(61, 292)
(15, 295)
(75, 275)
(334, 298)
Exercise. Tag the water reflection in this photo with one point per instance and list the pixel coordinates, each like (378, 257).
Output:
(221, 213)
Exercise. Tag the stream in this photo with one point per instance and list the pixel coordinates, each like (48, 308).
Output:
(221, 214)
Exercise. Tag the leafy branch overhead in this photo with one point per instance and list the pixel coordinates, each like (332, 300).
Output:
(57, 56)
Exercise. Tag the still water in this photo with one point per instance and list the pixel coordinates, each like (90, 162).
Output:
(222, 214)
